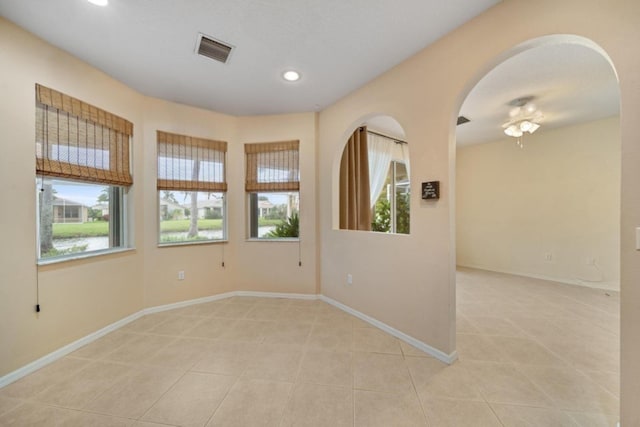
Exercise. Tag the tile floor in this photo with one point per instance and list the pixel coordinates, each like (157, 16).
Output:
(532, 353)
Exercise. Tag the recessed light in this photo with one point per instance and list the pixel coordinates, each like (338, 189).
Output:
(291, 76)
(99, 2)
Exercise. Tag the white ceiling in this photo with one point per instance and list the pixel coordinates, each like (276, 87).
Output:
(571, 83)
(337, 45)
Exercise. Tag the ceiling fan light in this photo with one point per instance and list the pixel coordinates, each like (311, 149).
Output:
(525, 126)
(534, 127)
(513, 131)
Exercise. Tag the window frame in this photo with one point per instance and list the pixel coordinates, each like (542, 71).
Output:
(254, 215)
(66, 125)
(118, 237)
(393, 212)
(225, 237)
(190, 148)
(275, 158)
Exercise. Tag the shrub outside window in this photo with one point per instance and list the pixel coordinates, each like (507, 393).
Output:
(274, 215)
(273, 188)
(391, 211)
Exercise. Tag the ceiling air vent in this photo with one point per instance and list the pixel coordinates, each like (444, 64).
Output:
(213, 49)
(462, 120)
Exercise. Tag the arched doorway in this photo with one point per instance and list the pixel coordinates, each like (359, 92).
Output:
(540, 290)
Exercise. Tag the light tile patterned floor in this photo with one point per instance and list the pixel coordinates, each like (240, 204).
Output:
(532, 353)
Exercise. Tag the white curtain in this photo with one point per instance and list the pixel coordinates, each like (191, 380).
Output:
(380, 153)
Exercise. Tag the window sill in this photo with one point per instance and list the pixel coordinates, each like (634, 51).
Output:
(195, 243)
(82, 256)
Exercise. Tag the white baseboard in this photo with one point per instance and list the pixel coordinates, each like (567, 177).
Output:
(609, 286)
(443, 357)
(159, 308)
(69, 348)
(275, 295)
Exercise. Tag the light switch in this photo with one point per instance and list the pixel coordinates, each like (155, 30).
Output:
(638, 238)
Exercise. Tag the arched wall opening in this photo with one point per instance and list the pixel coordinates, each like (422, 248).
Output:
(380, 124)
(587, 271)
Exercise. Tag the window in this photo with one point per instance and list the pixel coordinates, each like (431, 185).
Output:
(390, 185)
(77, 217)
(273, 187)
(82, 165)
(391, 211)
(191, 189)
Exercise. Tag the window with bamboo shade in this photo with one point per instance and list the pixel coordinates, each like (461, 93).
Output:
(191, 189)
(82, 161)
(273, 184)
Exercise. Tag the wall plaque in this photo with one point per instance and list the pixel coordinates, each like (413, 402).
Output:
(431, 190)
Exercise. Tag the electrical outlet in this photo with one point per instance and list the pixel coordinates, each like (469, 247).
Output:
(181, 275)
(349, 279)
(548, 256)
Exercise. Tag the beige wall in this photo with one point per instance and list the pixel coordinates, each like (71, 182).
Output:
(273, 266)
(409, 281)
(560, 195)
(201, 263)
(405, 281)
(82, 296)
(76, 297)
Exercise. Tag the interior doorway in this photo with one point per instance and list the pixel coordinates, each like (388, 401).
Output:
(537, 225)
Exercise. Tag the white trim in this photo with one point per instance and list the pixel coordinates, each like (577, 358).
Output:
(443, 357)
(159, 308)
(276, 295)
(69, 348)
(83, 255)
(609, 286)
(63, 351)
(226, 295)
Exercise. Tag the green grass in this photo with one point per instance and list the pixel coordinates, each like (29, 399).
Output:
(268, 222)
(58, 252)
(178, 225)
(87, 229)
(101, 228)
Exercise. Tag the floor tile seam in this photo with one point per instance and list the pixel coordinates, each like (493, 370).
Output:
(353, 386)
(571, 365)
(93, 412)
(587, 305)
(283, 412)
(324, 384)
(558, 354)
(556, 404)
(222, 401)
(537, 387)
(147, 410)
(214, 409)
(480, 399)
(525, 405)
(415, 388)
(289, 399)
(495, 414)
(595, 383)
(35, 399)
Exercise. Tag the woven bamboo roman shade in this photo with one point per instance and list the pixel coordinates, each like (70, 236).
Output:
(76, 140)
(273, 166)
(188, 163)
